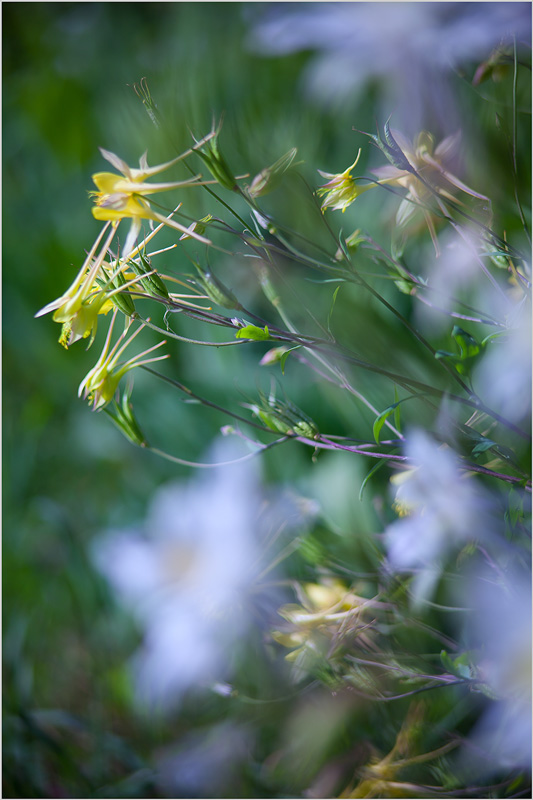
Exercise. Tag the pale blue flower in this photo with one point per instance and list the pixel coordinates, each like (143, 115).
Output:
(414, 48)
(442, 509)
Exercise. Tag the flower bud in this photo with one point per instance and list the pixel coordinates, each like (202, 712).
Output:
(269, 178)
(216, 163)
(284, 417)
(149, 279)
(122, 300)
(197, 227)
(215, 289)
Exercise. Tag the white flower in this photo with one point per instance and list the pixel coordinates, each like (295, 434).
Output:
(412, 46)
(499, 632)
(450, 275)
(503, 378)
(186, 577)
(442, 510)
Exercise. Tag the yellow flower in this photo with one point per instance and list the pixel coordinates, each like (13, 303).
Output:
(327, 610)
(100, 384)
(341, 189)
(123, 196)
(78, 308)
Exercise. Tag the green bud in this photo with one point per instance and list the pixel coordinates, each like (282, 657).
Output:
(215, 289)
(125, 421)
(269, 178)
(197, 227)
(352, 243)
(272, 420)
(216, 163)
(141, 90)
(266, 284)
(149, 279)
(122, 300)
(273, 356)
(284, 417)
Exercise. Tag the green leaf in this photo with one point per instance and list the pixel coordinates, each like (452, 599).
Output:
(468, 346)
(284, 357)
(254, 333)
(482, 447)
(460, 666)
(397, 420)
(380, 421)
(335, 293)
(447, 663)
(369, 475)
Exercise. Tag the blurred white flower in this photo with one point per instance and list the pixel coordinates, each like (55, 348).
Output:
(503, 378)
(499, 632)
(205, 762)
(412, 46)
(456, 271)
(441, 510)
(186, 576)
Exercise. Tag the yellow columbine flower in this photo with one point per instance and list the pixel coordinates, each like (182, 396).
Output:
(100, 384)
(341, 189)
(123, 196)
(78, 308)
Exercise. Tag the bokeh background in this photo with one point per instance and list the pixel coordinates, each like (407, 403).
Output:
(283, 75)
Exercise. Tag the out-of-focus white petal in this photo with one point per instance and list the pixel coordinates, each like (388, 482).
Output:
(129, 563)
(503, 378)
(188, 579)
(498, 633)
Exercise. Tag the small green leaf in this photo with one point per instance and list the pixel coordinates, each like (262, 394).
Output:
(482, 447)
(460, 666)
(468, 346)
(284, 357)
(369, 475)
(335, 293)
(254, 333)
(380, 421)
(397, 419)
(447, 663)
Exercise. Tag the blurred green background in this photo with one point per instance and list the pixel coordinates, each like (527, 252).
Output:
(68, 70)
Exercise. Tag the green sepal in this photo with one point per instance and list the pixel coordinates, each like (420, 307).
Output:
(392, 150)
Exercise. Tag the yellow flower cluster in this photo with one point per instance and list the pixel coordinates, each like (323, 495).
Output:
(106, 281)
